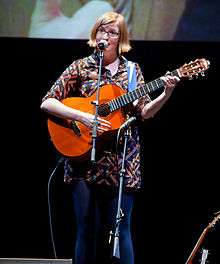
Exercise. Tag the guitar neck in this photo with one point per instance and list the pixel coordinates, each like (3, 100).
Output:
(145, 89)
(196, 248)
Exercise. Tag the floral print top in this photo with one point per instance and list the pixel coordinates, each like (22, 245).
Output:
(81, 79)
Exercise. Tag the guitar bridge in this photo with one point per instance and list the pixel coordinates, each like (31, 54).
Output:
(75, 128)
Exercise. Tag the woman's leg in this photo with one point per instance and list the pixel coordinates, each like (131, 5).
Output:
(84, 208)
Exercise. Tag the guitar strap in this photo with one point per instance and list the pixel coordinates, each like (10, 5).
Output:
(132, 77)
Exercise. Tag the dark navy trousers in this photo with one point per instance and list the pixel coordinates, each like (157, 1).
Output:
(95, 210)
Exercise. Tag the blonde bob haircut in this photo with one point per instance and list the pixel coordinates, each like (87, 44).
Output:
(105, 19)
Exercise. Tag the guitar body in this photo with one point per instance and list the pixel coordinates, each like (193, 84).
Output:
(76, 143)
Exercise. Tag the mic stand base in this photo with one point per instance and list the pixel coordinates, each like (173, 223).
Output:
(116, 250)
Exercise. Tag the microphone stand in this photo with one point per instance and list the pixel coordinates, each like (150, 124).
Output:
(95, 126)
(119, 216)
(95, 122)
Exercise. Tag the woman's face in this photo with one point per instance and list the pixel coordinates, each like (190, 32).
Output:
(110, 33)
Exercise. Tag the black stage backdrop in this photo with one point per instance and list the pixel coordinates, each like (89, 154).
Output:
(180, 148)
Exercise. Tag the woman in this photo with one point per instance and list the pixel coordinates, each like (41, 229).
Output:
(100, 192)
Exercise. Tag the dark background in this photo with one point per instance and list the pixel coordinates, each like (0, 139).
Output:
(180, 148)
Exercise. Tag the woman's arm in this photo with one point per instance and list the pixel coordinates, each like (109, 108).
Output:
(151, 108)
(56, 108)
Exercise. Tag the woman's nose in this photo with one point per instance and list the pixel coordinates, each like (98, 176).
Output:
(105, 35)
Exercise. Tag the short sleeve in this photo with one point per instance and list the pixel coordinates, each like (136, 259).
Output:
(65, 84)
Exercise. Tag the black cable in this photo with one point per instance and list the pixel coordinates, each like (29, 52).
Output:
(49, 207)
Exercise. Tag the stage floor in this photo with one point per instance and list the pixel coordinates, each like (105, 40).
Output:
(34, 261)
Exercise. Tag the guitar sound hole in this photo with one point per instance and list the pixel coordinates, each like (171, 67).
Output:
(104, 110)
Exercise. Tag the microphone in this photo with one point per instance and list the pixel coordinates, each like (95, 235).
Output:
(128, 122)
(103, 44)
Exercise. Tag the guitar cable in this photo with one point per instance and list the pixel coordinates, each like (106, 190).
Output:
(59, 162)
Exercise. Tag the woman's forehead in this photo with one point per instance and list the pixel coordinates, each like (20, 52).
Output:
(112, 25)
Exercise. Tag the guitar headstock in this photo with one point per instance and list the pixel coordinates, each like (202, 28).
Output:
(214, 221)
(194, 68)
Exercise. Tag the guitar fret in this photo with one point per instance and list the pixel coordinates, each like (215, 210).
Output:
(143, 92)
(117, 104)
(136, 94)
(123, 99)
(175, 73)
(154, 84)
(114, 105)
(151, 86)
(129, 97)
(160, 82)
(149, 89)
(120, 100)
(110, 106)
(133, 96)
(139, 91)
(126, 99)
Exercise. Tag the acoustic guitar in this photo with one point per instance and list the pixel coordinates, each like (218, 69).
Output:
(73, 139)
(201, 239)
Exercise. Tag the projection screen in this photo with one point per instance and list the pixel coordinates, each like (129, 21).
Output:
(147, 19)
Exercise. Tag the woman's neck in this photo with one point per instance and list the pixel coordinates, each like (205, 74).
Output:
(109, 57)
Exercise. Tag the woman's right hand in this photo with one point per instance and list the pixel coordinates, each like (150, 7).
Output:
(88, 120)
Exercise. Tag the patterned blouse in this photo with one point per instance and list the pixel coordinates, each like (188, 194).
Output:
(80, 79)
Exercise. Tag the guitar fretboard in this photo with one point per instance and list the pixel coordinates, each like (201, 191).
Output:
(137, 93)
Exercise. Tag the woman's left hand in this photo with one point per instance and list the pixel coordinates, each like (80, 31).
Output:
(170, 83)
